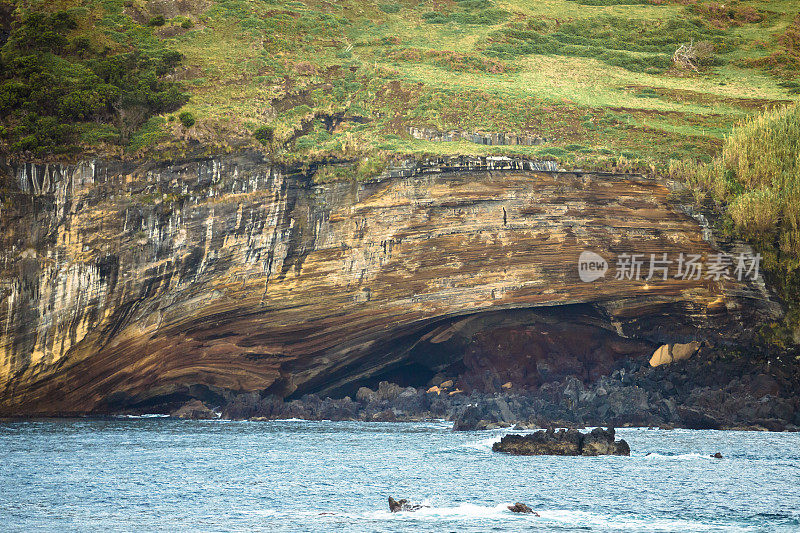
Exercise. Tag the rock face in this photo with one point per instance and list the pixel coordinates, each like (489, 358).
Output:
(563, 442)
(707, 391)
(129, 286)
(195, 410)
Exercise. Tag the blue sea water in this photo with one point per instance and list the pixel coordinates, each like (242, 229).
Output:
(154, 474)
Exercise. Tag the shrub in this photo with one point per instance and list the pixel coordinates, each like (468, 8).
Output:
(264, 134)
(611, 2)
(389, 8)
(186, 118)
(157, 20)
(43, 32)
(757, 181)
(756, 212)
(554, 151)
(434, 17)
(792, 87)
(52, 83)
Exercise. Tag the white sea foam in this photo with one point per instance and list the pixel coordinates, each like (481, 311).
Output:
(676, 457)
(464, 511)
(152, 415)
(483, 444)
(543, 518)
(628, 522)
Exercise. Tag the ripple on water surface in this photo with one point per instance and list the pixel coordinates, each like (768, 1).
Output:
(292, 475)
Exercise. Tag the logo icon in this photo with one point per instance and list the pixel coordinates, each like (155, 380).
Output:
(591, 266)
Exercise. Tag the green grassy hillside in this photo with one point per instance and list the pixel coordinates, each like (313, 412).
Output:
(348, 79)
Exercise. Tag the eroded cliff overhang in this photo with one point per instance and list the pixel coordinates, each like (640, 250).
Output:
(123, 283)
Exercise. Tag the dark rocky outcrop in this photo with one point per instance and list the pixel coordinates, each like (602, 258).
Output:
(397, 506)
(486, 413)
(195, 410)
(563, 442)
(520, 507)
(729, 393)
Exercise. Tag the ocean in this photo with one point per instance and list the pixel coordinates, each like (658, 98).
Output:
(161, 474)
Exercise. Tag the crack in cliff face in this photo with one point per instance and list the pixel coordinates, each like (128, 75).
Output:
(125, 284)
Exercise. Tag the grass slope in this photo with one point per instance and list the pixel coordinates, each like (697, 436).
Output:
(347, 79)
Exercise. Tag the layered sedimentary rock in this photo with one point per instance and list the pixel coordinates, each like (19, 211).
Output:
(136, 285)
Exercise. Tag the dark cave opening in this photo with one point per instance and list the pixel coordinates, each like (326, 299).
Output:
(490, 352)
(163, 404)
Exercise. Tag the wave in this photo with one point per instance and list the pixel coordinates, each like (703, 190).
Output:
(553, 518)
(496, 435)
(137, 417)
(677, 456)
(464, 511)
(483, 444)
(629, 522)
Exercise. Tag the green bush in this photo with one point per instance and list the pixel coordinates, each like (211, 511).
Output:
(434, 17)
(792, 87)
(43, 32)
(389, 8)
(554, 151)
(186, 118)
(52, 81)
(757, 181)
(264, 134)
(157, 20)
(148, 135)
(470, 12)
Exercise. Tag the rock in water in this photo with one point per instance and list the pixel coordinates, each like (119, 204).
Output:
(717, 456)
(396, 506)
(469, 420)
(520, 507)
(570, 442)
(601, 442)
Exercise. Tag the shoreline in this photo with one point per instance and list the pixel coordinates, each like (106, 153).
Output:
(498, 430)
(707, 391)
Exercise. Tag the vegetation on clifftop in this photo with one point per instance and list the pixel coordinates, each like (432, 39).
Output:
(66, 82)
(756, 182)
(347, 80)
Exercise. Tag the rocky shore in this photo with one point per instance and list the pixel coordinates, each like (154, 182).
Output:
(701, 393)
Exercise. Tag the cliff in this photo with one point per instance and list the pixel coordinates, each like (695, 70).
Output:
(138, 286)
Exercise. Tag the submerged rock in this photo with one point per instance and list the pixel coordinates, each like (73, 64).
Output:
(563, 442)
(397, 506)
(520, 507)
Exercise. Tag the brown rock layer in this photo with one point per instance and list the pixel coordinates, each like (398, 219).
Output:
(123, 285)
